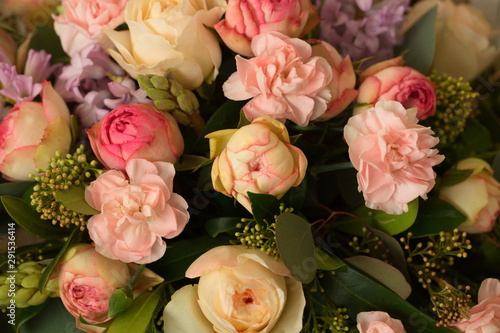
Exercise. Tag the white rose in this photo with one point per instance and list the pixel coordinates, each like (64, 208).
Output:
(240, 290)
(170, 34)
(463, 38)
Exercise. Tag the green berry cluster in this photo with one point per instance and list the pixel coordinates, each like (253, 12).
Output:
(258, 236)
(449, 303)
(61, 174)
(455, 102)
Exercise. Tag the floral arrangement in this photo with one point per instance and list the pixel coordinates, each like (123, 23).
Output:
(250, 166)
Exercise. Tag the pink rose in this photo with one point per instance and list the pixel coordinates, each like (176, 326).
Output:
(485, 316)
(246, 19)
(477, 197)
(402, 84)
(379, 322)
(82, 21)
(87, 280)
(31, 133)
(393, 156)
(136, 131)
(284, 80)
(344, 79)
(135, 212)
(257, 158)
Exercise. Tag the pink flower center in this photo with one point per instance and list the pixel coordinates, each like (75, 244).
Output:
(247, 297)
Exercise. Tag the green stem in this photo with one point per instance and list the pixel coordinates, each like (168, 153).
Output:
(136, 276)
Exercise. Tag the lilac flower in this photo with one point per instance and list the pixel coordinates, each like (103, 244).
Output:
(38, 65)
(363, 28)
(17, 87)
(125, 92)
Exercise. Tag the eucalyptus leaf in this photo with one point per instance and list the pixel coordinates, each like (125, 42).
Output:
(434, 216)
(219, 225)
(264, 207)
(120, 301)
(420, 42)
(296, 246)
(327, 262)
(74, 199)
(26, 217)
(139, 315)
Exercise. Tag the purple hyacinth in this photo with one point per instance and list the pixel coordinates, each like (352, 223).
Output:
(16, 87)
(363, 28)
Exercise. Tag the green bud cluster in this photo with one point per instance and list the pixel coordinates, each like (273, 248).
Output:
(61, 174)
(22, 286)
(455, 102)
(170, 96)
(449, 303)
(258, 236)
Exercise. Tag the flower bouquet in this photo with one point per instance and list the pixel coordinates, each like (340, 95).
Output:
(250, 166)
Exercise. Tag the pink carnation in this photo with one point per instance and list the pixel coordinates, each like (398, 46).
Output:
(283, 80)
(393, 156)
(485, 316)
(378, 322)
(135, 212)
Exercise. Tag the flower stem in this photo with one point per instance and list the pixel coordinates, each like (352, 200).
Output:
(136, 276)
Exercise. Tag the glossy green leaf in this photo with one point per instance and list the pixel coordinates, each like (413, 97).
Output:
(190, 162)
(436, 215)
(50, 267)
(296, 246)
(15, 189)
(227, 116)
(327, 262)
(120, 301)
(74, 199)
(420, 42)
(53, 318)
(25, 216)
(45, 38)
(219, 225)
(264, 207)
(139, 315)
(358, 293)
(296, 196)
(243, 119)
(454, 176)
(24, 314)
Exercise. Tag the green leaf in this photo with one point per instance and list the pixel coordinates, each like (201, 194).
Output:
(180, 255)
(45, 38)
(227, 116)
(243, 120)
(358, 293)
(264, 207)
(190, 162)
(296, 246)
(74, 199)
(219, 225)
(50, 267)
(15, 189)
(139, 315)
(454, 176)
(120, 301)
(46, 248)
(24, 314)
(436, 215)
(295, 196)
(25, 216)
(496, 166)
(327, 262)
(420, 42)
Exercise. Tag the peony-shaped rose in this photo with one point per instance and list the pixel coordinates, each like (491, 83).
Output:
(477, 197)
(135, 212)
(240, 290)
(284, 80)
(257, 158)
(246, 19)
(485, 316)
(136, 131)
(393, 156)
(463, 37)
(343, 81)
(82, 21)
(170, 34)
(31, 133)
(378, 322)
(402, 84)
(87, 280)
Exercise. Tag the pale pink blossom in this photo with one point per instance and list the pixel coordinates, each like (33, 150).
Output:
(137, 211)
(485, 316)
(393, 156)
(378, 322)
(284, 80)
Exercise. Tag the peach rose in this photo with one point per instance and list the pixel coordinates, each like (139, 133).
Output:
(485, 316)
(87, 280)
(393, 156)
(247, 19)
(402, 84)
(239, 290)
(31, 133)
(257, 158)
(82, 21)
(136, 131)
(379, 322)
(477, 197)
(136, 212)
(284, 80)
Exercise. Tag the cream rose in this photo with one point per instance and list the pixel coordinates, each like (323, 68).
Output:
(170, 34)
(240, 290)
(463, 38)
